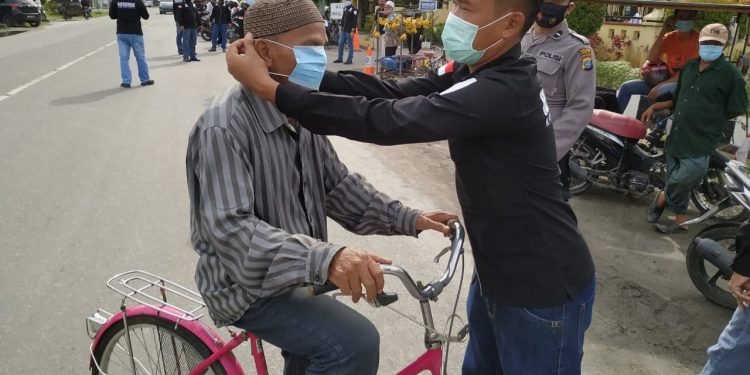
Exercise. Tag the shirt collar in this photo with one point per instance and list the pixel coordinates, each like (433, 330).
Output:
(269, 117)
(557, 32)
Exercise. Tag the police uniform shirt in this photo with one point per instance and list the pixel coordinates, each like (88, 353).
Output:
(526, 244)
(566, 70)
(349, 19)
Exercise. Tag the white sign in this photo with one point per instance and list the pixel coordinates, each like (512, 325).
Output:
(427, 4)
(337, 11)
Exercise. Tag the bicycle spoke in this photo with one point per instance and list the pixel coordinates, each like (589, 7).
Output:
(142, 341)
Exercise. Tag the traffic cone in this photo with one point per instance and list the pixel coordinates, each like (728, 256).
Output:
(369, 68)
(356, 40)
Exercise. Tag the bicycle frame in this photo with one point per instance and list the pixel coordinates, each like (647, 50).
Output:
(137, 286)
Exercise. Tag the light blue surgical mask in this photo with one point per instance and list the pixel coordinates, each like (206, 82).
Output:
(458, 39)
(311, 65)
(683, 26)
(710, 52)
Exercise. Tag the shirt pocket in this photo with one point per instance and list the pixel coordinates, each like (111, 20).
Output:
(548, 76)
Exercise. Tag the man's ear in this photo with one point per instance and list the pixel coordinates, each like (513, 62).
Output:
(264, 51)
(514, 25)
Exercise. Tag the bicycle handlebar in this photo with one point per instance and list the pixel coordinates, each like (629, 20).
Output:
(430, 291)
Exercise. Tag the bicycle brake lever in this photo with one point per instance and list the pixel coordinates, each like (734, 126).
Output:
(441, 253)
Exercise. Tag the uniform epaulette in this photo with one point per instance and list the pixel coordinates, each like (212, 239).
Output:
(580, 37)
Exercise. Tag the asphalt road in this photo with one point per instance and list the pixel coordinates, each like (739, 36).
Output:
(92, 183)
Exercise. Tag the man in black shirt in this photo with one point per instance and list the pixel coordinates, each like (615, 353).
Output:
(348, 23)
(531, 300)
(188, 24)
(128, 14)
(220, 15)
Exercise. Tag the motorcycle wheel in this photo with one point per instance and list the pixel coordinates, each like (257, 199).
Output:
(206, 35)
(703, 274)
(584, 155)
(711, 191)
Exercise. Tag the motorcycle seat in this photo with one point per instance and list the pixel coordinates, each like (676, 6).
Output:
(621, 125)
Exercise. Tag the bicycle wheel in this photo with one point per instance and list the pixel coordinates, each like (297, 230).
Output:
(159, 347)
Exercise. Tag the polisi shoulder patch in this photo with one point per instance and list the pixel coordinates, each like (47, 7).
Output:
(587, 61)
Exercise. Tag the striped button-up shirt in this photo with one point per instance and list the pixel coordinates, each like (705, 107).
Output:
(260, 190)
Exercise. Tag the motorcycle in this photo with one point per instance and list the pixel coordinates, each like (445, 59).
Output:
(610, 153)
(333, 31)
(234, 31)
(710, 254)
(205, 27)
(86, 12)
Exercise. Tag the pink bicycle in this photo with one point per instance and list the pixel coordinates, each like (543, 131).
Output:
(162, 333)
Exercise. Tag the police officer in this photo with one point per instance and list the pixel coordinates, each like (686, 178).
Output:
(565, 67)
(530, 302)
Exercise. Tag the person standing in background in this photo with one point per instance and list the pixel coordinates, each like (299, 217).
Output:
(390, 37)
(128, 14)
(566, 70)
(348, 23)
(187, 18)
(178, 40)
(220, 16)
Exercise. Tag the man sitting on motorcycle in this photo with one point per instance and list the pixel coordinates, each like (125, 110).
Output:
(709, 92)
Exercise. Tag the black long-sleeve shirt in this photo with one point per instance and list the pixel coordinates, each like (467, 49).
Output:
(128, 14)
(185, 14)
(221, 14)
(349, 19)
(525, 239)
(742, 261)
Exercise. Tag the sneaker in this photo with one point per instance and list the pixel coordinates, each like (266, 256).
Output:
(224, 50)
(654, 211)
(185, 60)
(147, 83)
(348, 63)
(338, 61)
(194, 59)
(125, 85)
(212, 49)
(671, 227)
(179, 53)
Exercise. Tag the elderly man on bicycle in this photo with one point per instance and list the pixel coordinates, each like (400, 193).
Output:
(260, 189)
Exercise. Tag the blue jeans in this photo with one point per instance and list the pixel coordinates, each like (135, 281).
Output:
(638, 87)
(508, 340)
(731, 355)
(317, 335)
(189, 38)
(346, 39)
(178, 40)
(219, 31)
(125, 42)
(683, 175)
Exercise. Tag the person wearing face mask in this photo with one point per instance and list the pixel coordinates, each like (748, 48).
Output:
(530, 300)
(390, 37)
(710, 91)
(260, 189)
(676, 44)
(566, 70)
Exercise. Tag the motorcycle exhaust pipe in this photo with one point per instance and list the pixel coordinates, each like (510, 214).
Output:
(715, 254)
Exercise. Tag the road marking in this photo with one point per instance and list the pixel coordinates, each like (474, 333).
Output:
(51, 73)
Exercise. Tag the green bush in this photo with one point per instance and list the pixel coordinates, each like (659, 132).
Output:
(611, 74)
(587, 18)
(434, 34)
(369, 24)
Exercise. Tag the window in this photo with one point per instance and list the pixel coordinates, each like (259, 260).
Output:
(636, 35)
(611, 33)
(623, 34)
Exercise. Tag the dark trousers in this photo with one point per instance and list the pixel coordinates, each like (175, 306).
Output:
(179, 38)
(564, 165)
(317, 335)
(219, 31)
(189, 38)
(346, 40)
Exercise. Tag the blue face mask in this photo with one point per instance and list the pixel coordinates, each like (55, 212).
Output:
(311, 65)
(683, 26)
(710, 52)
(458, 39)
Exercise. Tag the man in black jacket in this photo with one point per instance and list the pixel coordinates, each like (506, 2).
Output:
(188, 23)
(531, 299)
(220, 15)
(128, 14)
(348, 23)
(731, 354)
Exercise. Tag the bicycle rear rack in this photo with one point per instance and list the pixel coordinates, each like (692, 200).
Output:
(158, 293)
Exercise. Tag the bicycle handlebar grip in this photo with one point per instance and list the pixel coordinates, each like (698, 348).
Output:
(316, 290)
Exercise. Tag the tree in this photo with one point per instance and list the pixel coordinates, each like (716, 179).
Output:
(587, 18)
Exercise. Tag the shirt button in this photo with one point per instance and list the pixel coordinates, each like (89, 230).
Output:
(317, 278)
